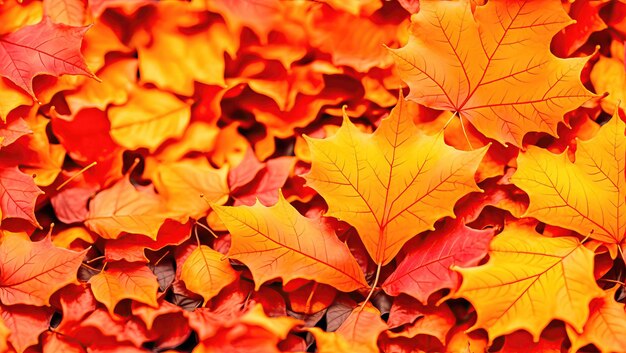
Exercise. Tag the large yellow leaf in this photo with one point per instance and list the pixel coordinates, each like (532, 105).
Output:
(206, 272)
(189, 186)
(148, 119)
(530, 280)
(393, 184)
(587, 196)
(493, 67)
(278, 241)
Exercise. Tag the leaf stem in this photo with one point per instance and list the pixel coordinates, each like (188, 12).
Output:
(208, 229)
(465, 134)
(369, 296)
(75, 175)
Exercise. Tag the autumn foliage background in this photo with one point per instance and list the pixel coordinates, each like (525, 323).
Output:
(312, 176)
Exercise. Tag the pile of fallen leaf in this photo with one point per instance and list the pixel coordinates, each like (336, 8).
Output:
(330, 176)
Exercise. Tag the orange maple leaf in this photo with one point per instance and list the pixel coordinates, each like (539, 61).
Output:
(125, 280)
(390, 185)
(278, 241)
(493, 66)
(30, 272)
(44, 48)
(544, 278)
(604, 327)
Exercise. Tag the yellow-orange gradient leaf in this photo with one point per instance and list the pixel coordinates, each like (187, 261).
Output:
(189, 185)
(359, 333)
(123, 208)
(587, 196)
(493, 67)
(605, 327)
(125, 280)
(148, 119)
(530, 280)
(393, 184)
(206, 272)
(278, 241)
(30, 272)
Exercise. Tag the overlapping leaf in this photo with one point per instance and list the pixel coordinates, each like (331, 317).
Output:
(44, 48)
(588, 195)
(390, 185)
(30, 272)
(277, 241)
(528, 281)
(493, 65)
(124, 280)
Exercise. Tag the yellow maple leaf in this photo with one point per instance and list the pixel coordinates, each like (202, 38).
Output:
(528, 281)
(587, 196)
(494, 66)
(393, 184)
(278, 241)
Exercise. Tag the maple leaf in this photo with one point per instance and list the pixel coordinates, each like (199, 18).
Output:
(587, 196)
(35, 154)
(189, 186)
(30, 272)
(43, 48)
(132, 247)
(279, 242)
(604, 325)
(26, 324)
(358, 333)
(544, 278)
(493, 66)
(18, 195)
(122, 208)
(124, 280)
(148, 118)
(362, 49)
(207, 272)
(390, 185)
(426, 267)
